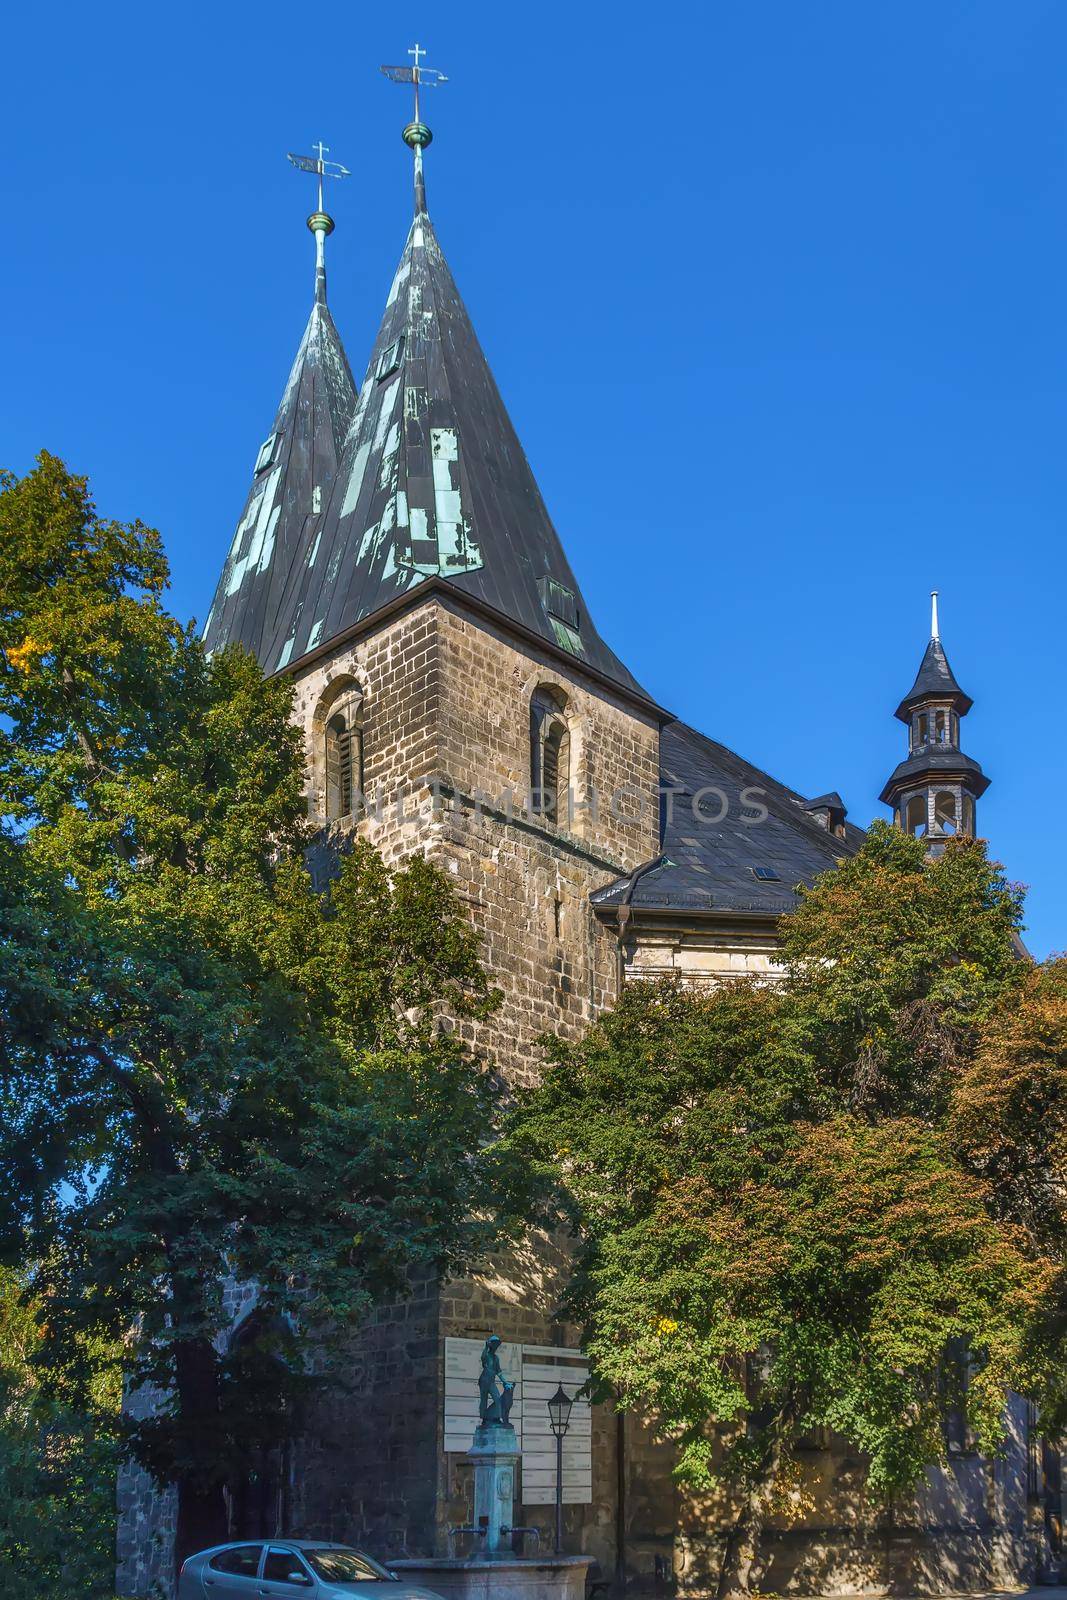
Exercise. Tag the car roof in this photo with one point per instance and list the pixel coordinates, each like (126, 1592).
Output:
(283, 1539)
(314, 1544)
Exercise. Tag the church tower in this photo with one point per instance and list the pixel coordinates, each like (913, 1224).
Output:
(934, 791)
(396, 561)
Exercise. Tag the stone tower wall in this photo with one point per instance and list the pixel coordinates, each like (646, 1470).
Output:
(446, 728)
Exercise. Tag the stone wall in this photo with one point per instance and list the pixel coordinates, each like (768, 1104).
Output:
(447, 724)
(702, 950)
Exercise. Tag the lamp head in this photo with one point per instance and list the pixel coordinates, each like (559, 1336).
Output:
(559, 1411)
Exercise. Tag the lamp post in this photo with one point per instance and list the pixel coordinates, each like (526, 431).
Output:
(559, 1415)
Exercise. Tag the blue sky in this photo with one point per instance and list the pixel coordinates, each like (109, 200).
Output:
(773, 291)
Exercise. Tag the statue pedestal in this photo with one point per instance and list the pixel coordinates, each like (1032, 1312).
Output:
(494, 1454)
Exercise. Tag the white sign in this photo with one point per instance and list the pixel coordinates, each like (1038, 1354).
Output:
(535, 1370)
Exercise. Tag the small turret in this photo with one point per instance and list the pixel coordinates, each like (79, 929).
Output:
(934, 791)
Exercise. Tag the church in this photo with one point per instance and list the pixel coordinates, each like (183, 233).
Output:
(396, 561)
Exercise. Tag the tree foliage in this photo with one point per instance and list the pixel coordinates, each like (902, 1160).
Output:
(793, 1202)
(57, 1466)
(207, 1068)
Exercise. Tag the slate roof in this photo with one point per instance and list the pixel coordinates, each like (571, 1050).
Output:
(291, 486)
(709, 864)
(433, 484)
(934, 678)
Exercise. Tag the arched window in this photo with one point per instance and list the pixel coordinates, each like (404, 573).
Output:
(941, 727)
(550, 756)
(915, 817)
(921, 730)
(945, 820)
(342, 755)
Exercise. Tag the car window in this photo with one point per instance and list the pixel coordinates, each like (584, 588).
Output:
(242, 1559)
(344, 1566)
(285, 1566)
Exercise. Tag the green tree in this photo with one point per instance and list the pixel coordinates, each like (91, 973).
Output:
(206, 1067)
(57, 1467)
(781, 1223)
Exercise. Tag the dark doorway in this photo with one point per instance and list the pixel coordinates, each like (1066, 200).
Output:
(257, 1493)
(258, 1500)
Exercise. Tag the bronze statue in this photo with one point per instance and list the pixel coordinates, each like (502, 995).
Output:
(495, 1394)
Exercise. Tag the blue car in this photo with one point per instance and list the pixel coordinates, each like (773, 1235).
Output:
(288, 1569)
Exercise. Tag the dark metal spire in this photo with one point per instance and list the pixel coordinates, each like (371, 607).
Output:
(294, 470)
(934, 677)
(417, 135)
(434, 486)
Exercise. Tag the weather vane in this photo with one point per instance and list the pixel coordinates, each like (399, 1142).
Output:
(419, 77)
(320, 166)
(320, 224)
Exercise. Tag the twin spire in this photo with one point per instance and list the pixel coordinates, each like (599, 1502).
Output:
(419, 480)
(416, 136)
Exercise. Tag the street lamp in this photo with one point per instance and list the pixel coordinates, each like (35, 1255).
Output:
(559, 1415)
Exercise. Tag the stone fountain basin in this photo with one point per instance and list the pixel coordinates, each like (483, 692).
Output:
(502, 1578)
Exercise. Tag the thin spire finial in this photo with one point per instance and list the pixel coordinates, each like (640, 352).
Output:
(320, 224)
(934, 630)
(417, 135)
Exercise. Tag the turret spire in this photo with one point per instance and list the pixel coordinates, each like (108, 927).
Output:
(417, 135)
(319, 222)
(934, 791)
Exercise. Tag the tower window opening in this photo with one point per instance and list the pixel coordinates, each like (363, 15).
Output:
(550, 757)
(338, 767)
(941, 727)
(922, 730)
(342, 753)
(915, 816)
(945, 818)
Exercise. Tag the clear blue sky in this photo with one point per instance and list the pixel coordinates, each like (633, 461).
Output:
(774, 292)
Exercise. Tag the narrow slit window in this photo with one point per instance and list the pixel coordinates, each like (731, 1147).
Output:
(550, 758)
(338, 767)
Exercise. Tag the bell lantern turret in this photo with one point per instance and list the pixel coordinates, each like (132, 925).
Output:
(935, 789)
